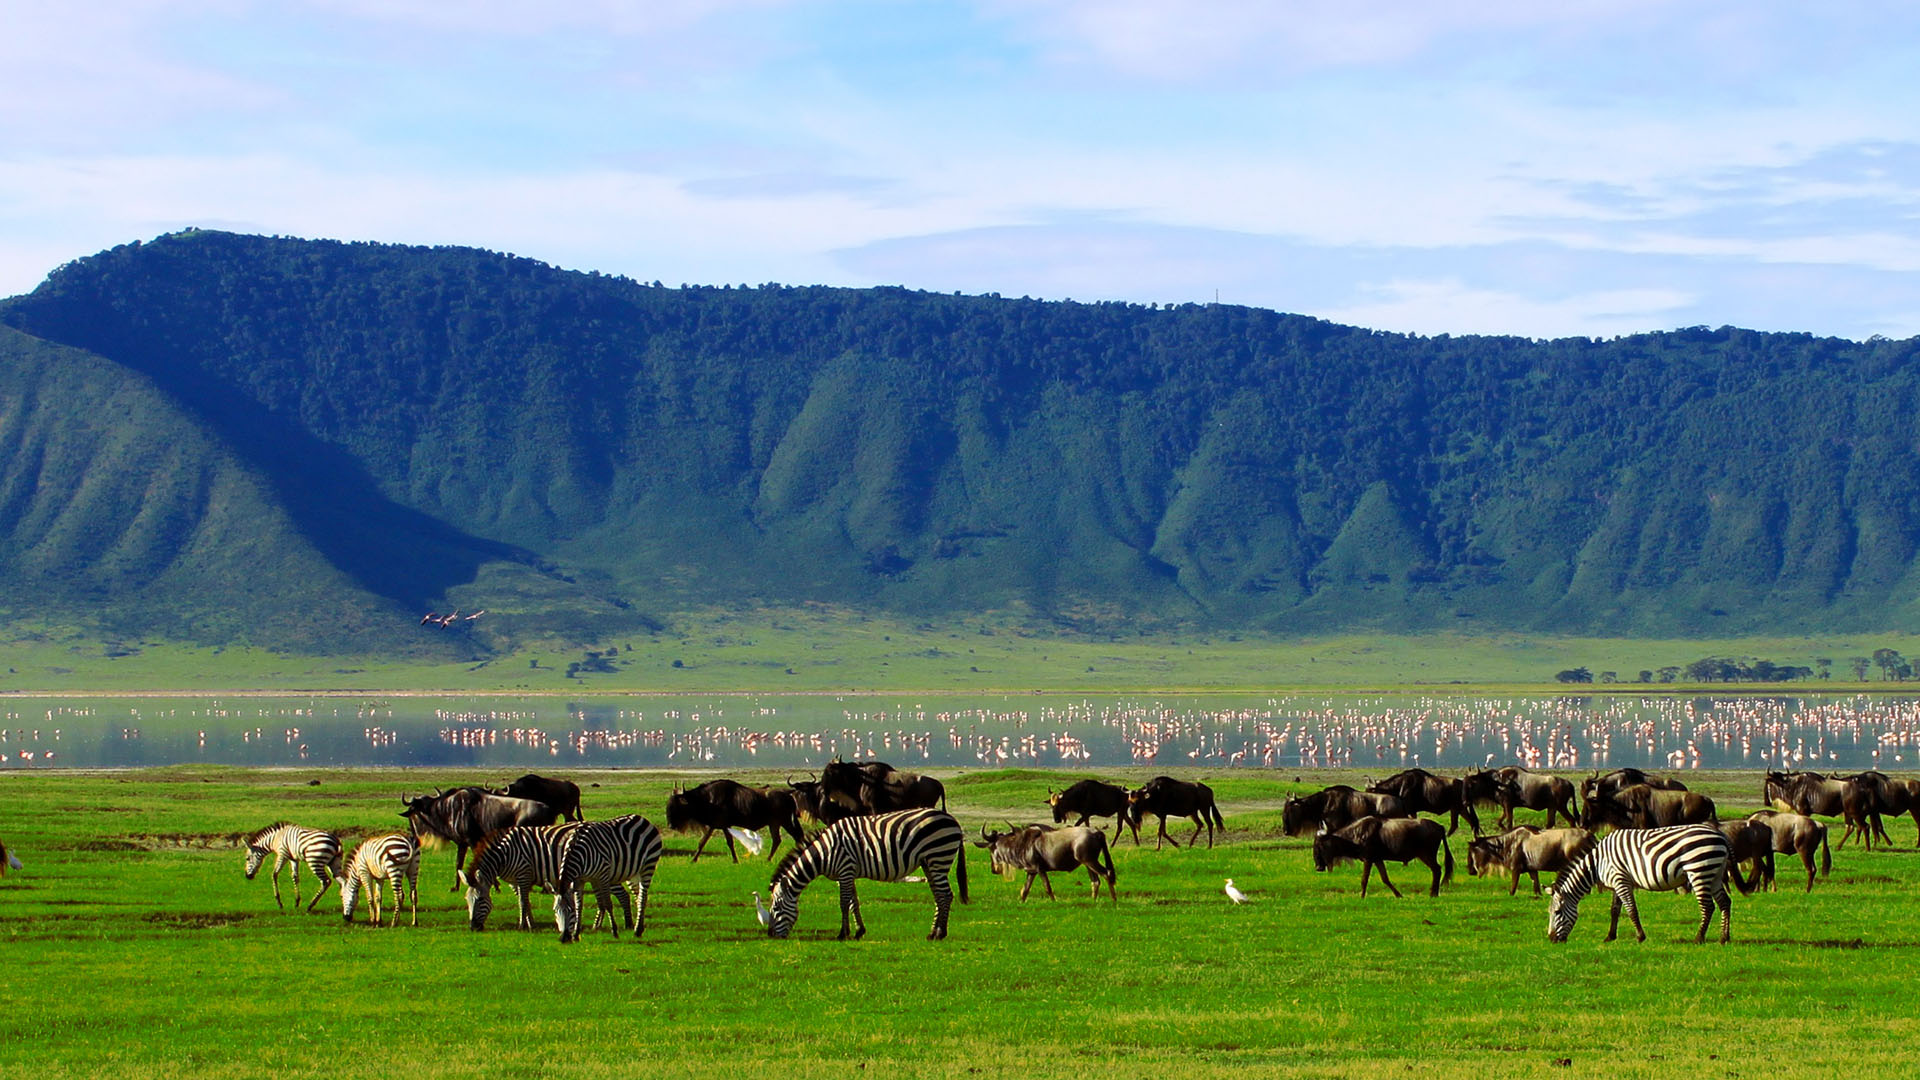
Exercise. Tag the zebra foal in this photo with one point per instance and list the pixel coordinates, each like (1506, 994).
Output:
(1698, 858)
(619, 854)
(394, 858)
(883, 847)
(320, 851)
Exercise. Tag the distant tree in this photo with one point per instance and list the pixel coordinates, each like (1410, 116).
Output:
(1575, 675)
(1609, 676)
(1858, 665)
(1825, 664)
(1646, 676)
(1668, 674)
(1889, 662)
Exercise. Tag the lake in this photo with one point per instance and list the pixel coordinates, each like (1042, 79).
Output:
(1075, 732)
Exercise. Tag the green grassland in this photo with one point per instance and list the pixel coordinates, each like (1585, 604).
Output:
(134, 948)
(799, 650)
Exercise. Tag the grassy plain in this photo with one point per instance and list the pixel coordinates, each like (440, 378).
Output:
(134, 948)
(833, 650)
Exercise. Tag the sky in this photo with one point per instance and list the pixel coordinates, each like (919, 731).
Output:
(1585, 167)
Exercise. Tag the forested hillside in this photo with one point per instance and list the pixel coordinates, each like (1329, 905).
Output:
(301, 442)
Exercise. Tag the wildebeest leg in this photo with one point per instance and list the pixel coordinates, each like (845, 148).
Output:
(459, 862)
(1806, 856)
(1535, 875)
(1028, 887)
(1434, 864)
(1163, 834)
(1388, 882)
(1048, 882)
(1195, 838)
(1366, 870)
(702, 846)
(1513, 870)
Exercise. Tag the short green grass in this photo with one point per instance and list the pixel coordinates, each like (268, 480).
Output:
(134, 948)
(819, 650)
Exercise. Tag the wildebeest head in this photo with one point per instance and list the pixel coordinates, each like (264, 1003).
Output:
(1330, 850)
(681, 807)
(1053, 800)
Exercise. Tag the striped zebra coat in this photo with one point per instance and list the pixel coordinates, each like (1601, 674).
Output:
(320, 851)
(883, 847)
(617, 854)
(1698, 858)
(525, 857)
(393, 858)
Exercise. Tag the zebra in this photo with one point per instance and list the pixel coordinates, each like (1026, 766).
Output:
(394, 857)
(524, 857)
(1698, 858)
(618, 853)
(293, 844)
(884, 847)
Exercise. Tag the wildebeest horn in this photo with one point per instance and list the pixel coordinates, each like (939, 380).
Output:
(983, 833)
(1011, 827)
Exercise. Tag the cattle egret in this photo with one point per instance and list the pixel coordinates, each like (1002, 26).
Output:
(749, 840)
(13, 863)
(760, 911)
(1234, 894)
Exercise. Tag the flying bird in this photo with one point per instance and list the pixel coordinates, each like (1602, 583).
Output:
(431, 616)
(760, 911)
(1234, 894)
(475, 615)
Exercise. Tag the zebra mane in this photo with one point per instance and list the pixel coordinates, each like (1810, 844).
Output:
(255, 838)
(793, 856)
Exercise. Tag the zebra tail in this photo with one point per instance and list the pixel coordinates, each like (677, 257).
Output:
(960, 873)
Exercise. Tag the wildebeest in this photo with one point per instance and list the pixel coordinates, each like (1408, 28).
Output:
(1752, 842)
(1092, 799)
(1376, 841)
(1891, 798)
(1423, 792)
(1512, 786)
(1604, 785)
(562, 795)
(1528, 849)
(1796, 834)
(875, 787)
(465, 816)
(1810, 793)
(1042, 849)
(1336, 807)
(1642, 807)
(719, 805)
(1165, 797)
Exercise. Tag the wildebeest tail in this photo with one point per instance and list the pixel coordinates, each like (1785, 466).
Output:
(1739, 881)
(960, 873)
(1213, 809)
(1826, 855)
(1446, 849)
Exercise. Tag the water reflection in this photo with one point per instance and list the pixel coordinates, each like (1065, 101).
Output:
(1388, 732)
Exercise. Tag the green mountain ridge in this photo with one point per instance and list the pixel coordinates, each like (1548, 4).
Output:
(304, 444)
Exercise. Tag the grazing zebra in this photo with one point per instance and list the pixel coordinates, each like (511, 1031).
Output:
(394, 857)
(619, 854)
(293, 844)
(884, 847)
(524, 857)
(1698, 858)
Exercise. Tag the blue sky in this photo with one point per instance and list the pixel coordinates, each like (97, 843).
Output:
(1502, 166)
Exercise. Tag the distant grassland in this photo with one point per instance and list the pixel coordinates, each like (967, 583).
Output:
(833, 650)
(133, 948)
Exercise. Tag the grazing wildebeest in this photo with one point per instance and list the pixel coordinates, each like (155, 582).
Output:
(1751, 841)
(1810, 793)
(465, 816)
(1092, 799)
(562, 795)
(1424, 793)
(719, 805)
(813, 803)
(1042, 849)
(875, 787)
(1512, 786)
(1891, 798)
(1642, 807)
(1375, 841)
(1796, 834)
(1165, 797)
(1528, 850)
(1336, 807)
(1604, 785)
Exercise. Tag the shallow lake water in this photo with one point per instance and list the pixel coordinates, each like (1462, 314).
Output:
(1079, 732)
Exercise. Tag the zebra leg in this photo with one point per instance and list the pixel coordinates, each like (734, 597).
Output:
(399, 898)
(327, 880)
(1613, 923)
(850, 911)
(525, 892)
(413, 891)
(279, 861)
(372, 886)
(642, 889)
(1725, 901)
(942, 902)
(1625, 896)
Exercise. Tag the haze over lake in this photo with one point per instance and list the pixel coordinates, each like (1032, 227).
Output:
(1073, 732)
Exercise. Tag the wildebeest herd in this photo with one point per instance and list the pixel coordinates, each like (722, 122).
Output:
(876, 822)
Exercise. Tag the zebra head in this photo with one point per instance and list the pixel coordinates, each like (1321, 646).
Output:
(786, 909)
(255, 856)
(479, 899)
(1563, 910)
(349, 893)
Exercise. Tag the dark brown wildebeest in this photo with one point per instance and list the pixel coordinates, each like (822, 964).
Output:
(1603, 785)
(1042, 849)
(1528, 849)
(1752, 842)
(465, 816)
(562, 795)
(875, 787)
(1891, 798)
(719, 805)
(1165, 797)
(814, 804)
(1810, 793)
(1642, 807)
(1336, 807)
(1796, 834)
(1421, 792)
(1514, 786)
(1376, 841)
(1092, 799)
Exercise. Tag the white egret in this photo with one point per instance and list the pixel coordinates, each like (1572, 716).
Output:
(760, 911)
(1234, 894)
(749, 840)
